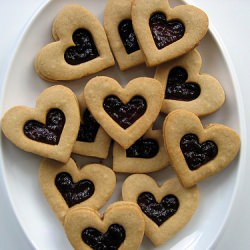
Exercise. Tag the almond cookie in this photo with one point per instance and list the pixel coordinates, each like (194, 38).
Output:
(120, 32)
(166, 209)
(66, 186)
(197, 152)
(121, 227)
(81, 47)
(92, 140)
(124, 113)
(185, 88)
(50, 129)
(146, 155)
(165, 33)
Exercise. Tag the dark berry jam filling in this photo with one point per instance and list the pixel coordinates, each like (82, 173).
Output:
(128, 37)
(158, 212)
(73, 193)
(88, 129)
(143, 148)
(85, 49)
(178, 88)
(111, 240)
(48, 133)
(197, 154)
(165, 32)
(125, 114)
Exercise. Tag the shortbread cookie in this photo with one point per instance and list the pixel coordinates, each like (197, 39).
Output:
(121, 227)
(146, 155)
(66, 186)
(166, 209)
(92, 140)
(197, 152)
(50, 129)
(165, 33)
(124, 113)
(81, 47)
(120, 32)
(185, 88)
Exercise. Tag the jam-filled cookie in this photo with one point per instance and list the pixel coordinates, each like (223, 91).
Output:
(197, 152)
(166, 208)
(165, 33)
(92, 140)
(66, 186)
(81, 47)
(50, 129)
(124, 113)
(121, 35)
(121, 227)
(186, 88)
(146, 155)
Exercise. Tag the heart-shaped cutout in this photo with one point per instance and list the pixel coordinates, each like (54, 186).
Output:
(121, 227)
(25, 126)
(124, 122)
(165, 33)
(166, 208)
(196, 152)
(66, 186)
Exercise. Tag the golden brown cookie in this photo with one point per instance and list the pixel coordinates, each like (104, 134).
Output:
(81, 47)
(48, 130)
(186, 88)
(165, 33)
(197, 152)
(121, 227)
(66, 186)
(166, 209)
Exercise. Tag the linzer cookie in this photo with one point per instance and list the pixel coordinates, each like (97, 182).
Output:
(81, 47)
(186, 88)
(197, 152)
(120, 32)
(50, 129)
(165, 33)
(124, 113)
(166, 209)
(121, 227)
(66, 186)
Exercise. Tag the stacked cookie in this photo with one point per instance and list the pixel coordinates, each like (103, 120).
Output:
(139, 31)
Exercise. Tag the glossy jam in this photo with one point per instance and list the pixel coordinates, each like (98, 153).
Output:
(165, 32)
(158, 212)
(178, 88)
(85, 49)
(111, 240)
(197, 154)
(88, 129)
(143, 148)
(125, 114)
(73, 193)
(48, 133)
(128, 37)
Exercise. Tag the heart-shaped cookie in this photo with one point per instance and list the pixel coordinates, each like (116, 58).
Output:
(66, 186)
(124, 113)
(186, 88)
(197, 152)
(146, 155)
(49, 130)
(165, 33)
(81, 47)
(121, 227)
(166, 209)
(120, 32)
(92, 140)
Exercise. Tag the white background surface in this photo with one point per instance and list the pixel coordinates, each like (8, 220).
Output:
(231, 19)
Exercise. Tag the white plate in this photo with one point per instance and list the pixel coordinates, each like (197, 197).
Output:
(20, 170)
